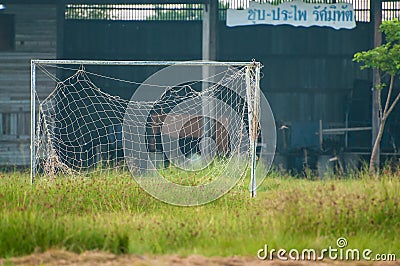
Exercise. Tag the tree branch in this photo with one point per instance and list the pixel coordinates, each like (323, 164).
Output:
(389, 95)
(378, 91)
(392, 105)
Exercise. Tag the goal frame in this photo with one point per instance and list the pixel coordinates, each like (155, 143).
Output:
(253, 107)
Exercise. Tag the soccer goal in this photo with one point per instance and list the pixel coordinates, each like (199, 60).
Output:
(192, 121)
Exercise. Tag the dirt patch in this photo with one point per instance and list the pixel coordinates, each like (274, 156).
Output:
(62, 257)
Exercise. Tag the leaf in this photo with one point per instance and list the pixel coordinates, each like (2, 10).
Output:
(381, 86)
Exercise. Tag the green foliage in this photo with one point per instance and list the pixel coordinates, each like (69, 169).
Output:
(188, 12)
(111, 213)
(185, 12)
(92, 11)
(386, 57)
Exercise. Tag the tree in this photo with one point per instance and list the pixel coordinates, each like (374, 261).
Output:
(386, 60)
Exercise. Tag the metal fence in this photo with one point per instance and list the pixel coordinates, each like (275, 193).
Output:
(193, 12)
(390, 10)
(135, 12)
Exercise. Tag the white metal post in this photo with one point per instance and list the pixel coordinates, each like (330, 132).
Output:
(33, 120)
(253, 97)
(140, 63)
(256, 119)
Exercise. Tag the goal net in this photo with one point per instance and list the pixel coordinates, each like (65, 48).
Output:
(189, 122)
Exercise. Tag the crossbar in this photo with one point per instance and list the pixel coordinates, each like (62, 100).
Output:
(142, 63)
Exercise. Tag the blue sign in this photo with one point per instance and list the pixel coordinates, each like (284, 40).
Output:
(297, 13)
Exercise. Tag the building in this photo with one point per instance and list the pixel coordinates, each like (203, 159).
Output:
(28, 29)
(308, 69)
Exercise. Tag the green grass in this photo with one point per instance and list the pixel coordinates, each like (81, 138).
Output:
(110, 212)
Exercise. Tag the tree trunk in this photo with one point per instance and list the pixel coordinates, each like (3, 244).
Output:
(384, 114)
(372, 166)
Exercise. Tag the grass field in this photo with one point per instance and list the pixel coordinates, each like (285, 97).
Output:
(111, 213)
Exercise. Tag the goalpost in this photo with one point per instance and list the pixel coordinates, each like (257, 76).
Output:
(78, 125)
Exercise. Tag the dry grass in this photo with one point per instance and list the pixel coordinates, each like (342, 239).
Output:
(111, 213)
